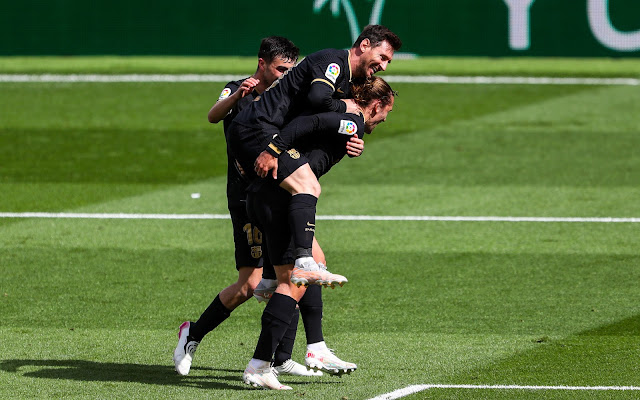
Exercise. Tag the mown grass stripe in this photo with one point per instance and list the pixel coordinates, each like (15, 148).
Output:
(325, 217)
(177, 78)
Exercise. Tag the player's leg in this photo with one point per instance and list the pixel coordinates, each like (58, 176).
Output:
(304, 188)
(277, 315)
(276, 319)
(318, 356)
(295, 176)
(282, 358)
(190, 334)
(268, 208)
(248, 254)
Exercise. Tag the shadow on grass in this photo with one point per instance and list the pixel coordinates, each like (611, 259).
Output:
(93, 371)
(80, 370)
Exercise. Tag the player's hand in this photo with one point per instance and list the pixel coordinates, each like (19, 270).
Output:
(352, 107)
(247, 86)
(355, 146)
(264, 163)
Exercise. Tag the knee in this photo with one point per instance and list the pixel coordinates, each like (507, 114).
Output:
(246, 290)
(314, 189)
(311, 186)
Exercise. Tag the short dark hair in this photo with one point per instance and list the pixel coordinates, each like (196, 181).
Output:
(278, 46)
(378, 34)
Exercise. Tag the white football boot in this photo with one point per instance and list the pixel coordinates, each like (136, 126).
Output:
(327, 361)
(291, 367)
(307, 272)
(183, 354)
(263, 378)
(265, 289)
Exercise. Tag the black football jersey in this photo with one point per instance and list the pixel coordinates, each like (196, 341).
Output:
(322, 138)
(236, 184)
(294, 93)
(228, 90)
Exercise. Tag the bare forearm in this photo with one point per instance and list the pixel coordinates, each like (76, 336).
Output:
(222, 108)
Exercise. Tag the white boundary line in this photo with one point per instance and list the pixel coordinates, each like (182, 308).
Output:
(321, 217)
(178, 78)
(419, 388)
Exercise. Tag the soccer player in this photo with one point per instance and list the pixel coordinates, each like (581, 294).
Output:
(319, 141)
(319, 83)
(275, 57)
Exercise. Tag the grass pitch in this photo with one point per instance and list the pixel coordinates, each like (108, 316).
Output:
(90, 308)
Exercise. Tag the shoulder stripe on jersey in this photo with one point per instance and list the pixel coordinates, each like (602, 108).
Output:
(325, 81)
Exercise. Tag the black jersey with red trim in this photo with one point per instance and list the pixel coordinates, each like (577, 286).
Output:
(316, 84)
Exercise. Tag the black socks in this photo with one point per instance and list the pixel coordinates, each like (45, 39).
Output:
(276, 319)
(285, 348)
(311, 309)
(302, 221)
(213, 316)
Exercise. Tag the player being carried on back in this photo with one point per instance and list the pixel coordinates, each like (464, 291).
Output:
(276, 55)
(319, 83)
(319, 141)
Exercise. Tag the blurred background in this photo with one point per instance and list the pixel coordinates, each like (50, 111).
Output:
(573, 28)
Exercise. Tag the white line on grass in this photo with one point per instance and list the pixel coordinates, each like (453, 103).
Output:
(73, 78)
(512, 80)
(112, 216)
(322, 217)
(397, 394)
(176, 78)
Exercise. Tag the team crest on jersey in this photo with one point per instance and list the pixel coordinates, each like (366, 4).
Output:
(225, 93)
(293, 153)
(256, 251)
(332, 72)
(347, 127)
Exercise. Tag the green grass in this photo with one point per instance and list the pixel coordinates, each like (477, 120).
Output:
(90, 308)
(585, 67)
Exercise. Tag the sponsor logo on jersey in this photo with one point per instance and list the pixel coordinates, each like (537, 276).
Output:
(332, 72)
(347, 127)
(225, 93)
